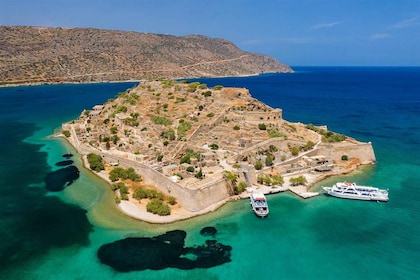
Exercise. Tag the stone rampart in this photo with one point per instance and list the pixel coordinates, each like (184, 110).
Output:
(363, 151)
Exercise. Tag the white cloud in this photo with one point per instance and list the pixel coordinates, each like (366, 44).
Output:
(413, 21)
(380, 36)
(324, 25)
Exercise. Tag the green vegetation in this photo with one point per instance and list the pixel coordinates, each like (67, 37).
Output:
(232, 179)
(236, 127)
(269, 160)
(199, 174)
(168, 134)
(66, 133)
(262, 126)
(120, 173)
(240, 188)
(180, 100)
(274, 132)
(131, 121)
(258, 165)
(95, 162)
(121, 109)
(123, 190)
(189, 153)
(210, 115)
(141, 193)
(301, 180)
(344, 157)
(156, 206)
(172, 200)
(114, 130)
(207, 93)
(269, 180)
(182, 128)
(160, 120)
(309, 145)
(327, 136)
(217, 87)
(294, 150)
(214, 146)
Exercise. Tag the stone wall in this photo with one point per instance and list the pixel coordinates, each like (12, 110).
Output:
(363, 151)
(193, 200)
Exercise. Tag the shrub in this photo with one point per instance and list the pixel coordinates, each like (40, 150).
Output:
(66, 133)
(272, 133)
(269, 160)
(156, 206)
(262, 126)
(95, 162)
(214, 146)
(160, 120)
(236, 127)
(168, 134)
(190, 169)
(172, 200)
(182, 128)
(301, 180)
(240, 188)
(344, 157)
(258, 165)
(217, 87)
(140, 193)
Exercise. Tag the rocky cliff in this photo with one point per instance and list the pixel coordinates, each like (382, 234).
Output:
(55, 55)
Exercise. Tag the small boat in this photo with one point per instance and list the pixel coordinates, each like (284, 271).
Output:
(353, 191)
(259, 204)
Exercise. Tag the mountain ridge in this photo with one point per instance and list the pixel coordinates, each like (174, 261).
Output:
(60, 55)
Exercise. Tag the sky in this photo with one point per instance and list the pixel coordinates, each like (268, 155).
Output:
(295, 32)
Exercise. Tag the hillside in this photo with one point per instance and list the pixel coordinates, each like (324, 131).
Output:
(56, 55)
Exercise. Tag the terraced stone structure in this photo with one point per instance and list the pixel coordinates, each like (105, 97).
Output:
(164, 128)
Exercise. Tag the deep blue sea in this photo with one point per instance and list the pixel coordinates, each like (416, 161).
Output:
(56, 234)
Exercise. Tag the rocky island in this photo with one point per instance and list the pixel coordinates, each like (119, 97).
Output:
(198, 147)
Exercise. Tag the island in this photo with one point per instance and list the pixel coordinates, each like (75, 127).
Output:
(188, 149)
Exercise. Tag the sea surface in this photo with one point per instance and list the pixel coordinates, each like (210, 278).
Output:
(48, 233)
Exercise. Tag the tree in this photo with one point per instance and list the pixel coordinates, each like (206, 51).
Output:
(240, 187)
(156, 206)
(95, 162)
(199, 174)
(269, 160)
(301, 180)
(231, 179)
(258, 165)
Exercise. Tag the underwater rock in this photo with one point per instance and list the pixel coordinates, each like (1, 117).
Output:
(163, 251)
(64, 163)
(67, 155)
(57, 180)
(208, 231)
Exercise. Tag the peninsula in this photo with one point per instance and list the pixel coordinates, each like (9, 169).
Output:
(200, 147)
(46, 55)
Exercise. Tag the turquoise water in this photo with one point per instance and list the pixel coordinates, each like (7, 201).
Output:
(56, 235)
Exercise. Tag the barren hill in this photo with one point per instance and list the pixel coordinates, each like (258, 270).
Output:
(54, 55)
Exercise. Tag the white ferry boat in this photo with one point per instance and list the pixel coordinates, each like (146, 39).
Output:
(259, 204)
(353, 191)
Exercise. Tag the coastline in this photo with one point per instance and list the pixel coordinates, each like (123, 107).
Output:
(135, 210)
